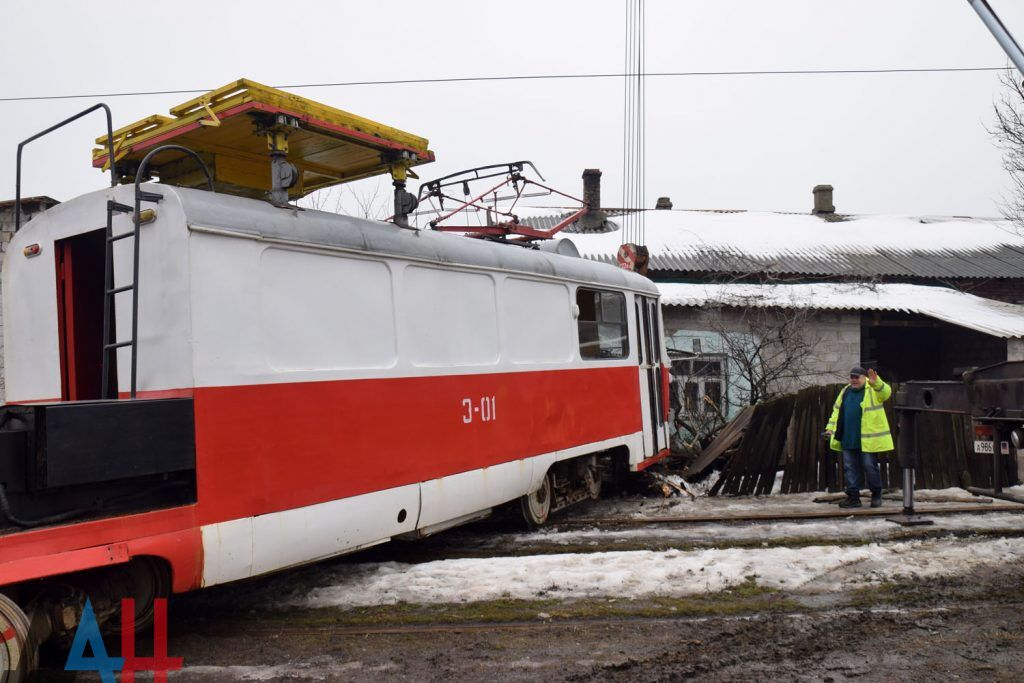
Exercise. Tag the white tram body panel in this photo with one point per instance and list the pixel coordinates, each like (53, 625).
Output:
(352, 380)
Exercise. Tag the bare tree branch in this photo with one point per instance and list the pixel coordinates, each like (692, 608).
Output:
(1008, 132)
(770, 349)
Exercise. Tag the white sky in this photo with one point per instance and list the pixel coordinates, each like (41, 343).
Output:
(910, 144)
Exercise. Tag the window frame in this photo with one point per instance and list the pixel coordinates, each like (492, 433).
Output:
(599, 307)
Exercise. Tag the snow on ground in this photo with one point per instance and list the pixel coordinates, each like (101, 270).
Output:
(644, 573)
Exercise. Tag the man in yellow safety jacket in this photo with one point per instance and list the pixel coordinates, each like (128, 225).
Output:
(858, 427)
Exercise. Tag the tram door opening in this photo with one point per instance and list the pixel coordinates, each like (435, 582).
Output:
(655, 429)
(80, 284)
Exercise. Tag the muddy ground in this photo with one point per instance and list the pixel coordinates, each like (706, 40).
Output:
(967, 627)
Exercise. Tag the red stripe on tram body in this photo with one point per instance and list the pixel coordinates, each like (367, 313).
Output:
(273, 447)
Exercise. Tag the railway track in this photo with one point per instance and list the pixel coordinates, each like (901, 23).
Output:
(925, 510)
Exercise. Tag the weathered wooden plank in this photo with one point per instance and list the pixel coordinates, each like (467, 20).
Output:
(728, 437)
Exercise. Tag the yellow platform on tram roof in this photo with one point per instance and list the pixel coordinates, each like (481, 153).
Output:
(227, 128)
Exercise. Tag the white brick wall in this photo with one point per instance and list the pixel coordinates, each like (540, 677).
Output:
(835, 337)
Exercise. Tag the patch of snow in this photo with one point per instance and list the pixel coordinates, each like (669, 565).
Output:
(645, 573)
(766, 234)
(703, 487)
(943, 303)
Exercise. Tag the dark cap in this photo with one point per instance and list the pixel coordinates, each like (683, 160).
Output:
(858, 370)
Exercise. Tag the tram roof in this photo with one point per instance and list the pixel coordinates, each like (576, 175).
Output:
(305, 227)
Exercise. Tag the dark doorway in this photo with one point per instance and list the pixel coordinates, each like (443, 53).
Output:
(914, 347)
(80, 275)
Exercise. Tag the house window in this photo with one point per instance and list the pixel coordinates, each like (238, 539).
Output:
(602, 324)
(701, 382)
(691, 392)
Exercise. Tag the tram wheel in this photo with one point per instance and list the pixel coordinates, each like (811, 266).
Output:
(18, 651)
(537, 505)
(148, 579)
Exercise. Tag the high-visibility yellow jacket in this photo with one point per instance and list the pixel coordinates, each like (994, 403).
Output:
(875, 436)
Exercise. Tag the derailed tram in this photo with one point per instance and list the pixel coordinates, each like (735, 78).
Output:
(213, 386)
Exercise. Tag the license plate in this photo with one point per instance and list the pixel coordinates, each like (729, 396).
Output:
(984, 447)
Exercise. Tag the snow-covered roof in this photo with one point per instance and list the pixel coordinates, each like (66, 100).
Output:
(995, 318)
(764, 242)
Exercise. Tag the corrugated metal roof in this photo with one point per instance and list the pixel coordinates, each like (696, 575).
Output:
(802, 244)
(998, 262)
(995, 318)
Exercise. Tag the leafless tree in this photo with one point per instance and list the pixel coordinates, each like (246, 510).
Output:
(374, 204)
(1008, 132)
(770, 351)
(695, 425)
(328, 199)
(370, 202)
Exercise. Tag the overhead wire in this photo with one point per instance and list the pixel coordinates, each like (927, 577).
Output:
(642, 194)
(532, 77)
(634, 58)
(628, 70)
(625, 122)
(634, 135)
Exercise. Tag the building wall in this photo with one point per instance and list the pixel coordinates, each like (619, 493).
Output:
(30, 207)
(834, 337)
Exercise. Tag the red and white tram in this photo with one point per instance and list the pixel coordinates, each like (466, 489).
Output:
(307, 384)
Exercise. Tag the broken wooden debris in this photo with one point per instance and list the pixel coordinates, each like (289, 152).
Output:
(670, 484)
(726, 439)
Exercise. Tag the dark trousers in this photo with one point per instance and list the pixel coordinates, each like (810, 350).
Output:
(856, 465)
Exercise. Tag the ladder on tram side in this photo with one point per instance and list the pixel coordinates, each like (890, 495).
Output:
(110, 346)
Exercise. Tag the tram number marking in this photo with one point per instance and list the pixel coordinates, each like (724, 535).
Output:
(485, 410)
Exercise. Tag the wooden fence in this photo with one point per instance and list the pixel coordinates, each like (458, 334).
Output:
(785, 433)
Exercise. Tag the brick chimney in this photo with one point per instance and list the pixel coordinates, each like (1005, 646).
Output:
(594, 220)
(823, 200)
(592, 187)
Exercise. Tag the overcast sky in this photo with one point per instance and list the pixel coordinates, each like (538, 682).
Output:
(909, 143)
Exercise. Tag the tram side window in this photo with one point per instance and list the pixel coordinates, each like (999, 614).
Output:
(602, 324)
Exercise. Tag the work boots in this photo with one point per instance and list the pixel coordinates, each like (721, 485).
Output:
(876, 498)
(851, 502)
